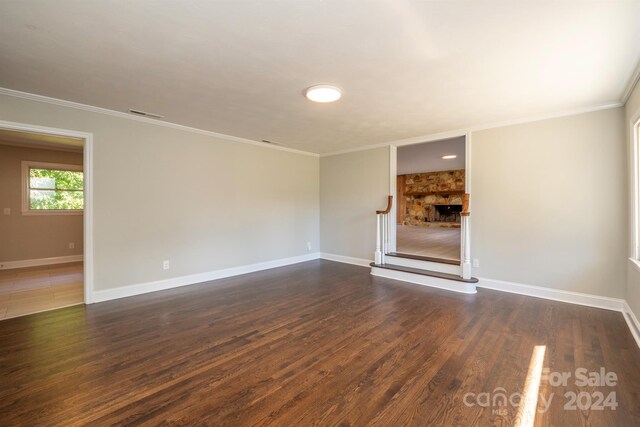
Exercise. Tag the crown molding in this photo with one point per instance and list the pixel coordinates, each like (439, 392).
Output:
(465, 131)
(157, 122)
(631, 84)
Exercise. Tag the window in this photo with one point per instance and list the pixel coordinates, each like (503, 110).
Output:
(51, 188)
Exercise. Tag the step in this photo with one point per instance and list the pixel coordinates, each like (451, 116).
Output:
(437, 279)
(425, 263)
(425, 258)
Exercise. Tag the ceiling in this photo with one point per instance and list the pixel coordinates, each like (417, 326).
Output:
(40, 140)
(427, 157)
(406, 68)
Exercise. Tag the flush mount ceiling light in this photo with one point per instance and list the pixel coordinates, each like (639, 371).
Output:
(449, 156)
(323, 93)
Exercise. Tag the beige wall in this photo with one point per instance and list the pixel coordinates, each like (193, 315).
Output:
(207, 204)
(352, 187)
(632, 112)
(25, 237)
(547, 202)
(202, 203)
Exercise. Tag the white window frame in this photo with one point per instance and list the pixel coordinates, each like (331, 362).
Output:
(26, 206)
(635, 159)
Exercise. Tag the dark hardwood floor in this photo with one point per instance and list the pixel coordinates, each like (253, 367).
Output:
(314, 343)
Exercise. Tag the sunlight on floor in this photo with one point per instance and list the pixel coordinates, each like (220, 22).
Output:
(32, 290)
(529, 402)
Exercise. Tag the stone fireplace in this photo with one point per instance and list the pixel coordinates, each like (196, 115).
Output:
(432, 199)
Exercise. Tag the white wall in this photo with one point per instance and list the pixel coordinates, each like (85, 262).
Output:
(203, 203)
(632, 112)
(547, 203)
(352, 187)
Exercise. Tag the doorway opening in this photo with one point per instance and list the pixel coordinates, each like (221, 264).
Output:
(43, 219)
(430, 188)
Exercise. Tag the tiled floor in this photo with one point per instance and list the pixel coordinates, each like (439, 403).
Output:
(31, 290)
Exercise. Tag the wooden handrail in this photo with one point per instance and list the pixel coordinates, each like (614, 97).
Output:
(465, 205)
(386, 211)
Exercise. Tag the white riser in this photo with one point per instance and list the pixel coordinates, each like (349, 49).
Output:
(436, 282)
(424, 265)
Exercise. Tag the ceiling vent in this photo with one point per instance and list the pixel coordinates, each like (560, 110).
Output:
(145, 114)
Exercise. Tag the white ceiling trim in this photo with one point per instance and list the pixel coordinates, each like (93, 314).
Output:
(119, 114)
(466, 131)
(633, 81)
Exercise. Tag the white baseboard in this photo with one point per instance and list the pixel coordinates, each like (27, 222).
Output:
(632, 322)
(517, 288)
(174, 282)
(589, 300)
(6, 265)
(346, 259)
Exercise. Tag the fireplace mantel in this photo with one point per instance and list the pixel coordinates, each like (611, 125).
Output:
(434, 193)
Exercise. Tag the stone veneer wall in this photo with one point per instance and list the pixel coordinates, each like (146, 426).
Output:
(420, 209)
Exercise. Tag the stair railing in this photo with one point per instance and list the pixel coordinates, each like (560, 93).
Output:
(382, 232)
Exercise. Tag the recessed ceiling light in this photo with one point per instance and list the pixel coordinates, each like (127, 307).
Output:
(323, 93)
(449, 156)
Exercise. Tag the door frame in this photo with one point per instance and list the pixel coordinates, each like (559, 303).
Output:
(88, 192)
(393, 171)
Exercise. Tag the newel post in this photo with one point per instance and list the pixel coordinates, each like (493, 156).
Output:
(466, 240)
(382, 230)
(378, 254)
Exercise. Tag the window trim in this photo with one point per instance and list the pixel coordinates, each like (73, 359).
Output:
(635, 185)
(26, 166)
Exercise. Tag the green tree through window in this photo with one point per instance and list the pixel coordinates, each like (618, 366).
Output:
(53, 189)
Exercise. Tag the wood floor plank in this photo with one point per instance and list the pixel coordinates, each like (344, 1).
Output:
(432, 242)
(313, 343)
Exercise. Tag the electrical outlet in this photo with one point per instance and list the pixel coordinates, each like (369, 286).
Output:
(72, 245)
(309, 246)
(6, 211)
(476, 263)
(165, 264)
